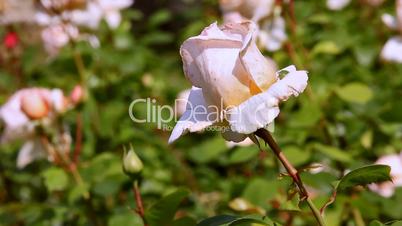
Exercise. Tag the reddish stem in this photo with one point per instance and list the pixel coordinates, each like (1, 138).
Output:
(293, 22)
(78, 140)
(138, 201)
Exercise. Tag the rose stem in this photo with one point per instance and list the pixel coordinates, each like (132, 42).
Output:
(66, 162)
(78, 140)
(138, 201)
(266, 136)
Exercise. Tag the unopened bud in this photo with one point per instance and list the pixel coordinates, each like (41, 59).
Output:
(77, 95)
(34, 105)
(132, 164)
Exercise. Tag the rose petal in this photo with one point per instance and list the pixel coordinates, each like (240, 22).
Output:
(390, 21)
(260, 110)
(30, 151)
(273, 34)
(337, 4)
(195, 118)
(113, 19)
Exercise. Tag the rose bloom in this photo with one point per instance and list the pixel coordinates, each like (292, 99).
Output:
(387, 189)
(26, 105)
(97, 10)
(57, 36)
(234, 86)
(23, 112)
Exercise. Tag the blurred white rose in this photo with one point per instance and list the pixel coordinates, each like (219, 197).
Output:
(55, 37)
(392, 50)
(97, 10)
(387, 189)
(337, 4)
(16, 11)
(27, 110)
(272, 32)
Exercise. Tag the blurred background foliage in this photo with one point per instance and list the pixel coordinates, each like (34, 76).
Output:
(349, 116)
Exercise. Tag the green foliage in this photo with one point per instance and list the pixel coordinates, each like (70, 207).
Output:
(348, 117)
(55, 179)
(163, 212)
(228, 220)
(364, 176)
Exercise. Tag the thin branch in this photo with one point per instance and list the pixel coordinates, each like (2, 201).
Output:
(138, 201)
(266, 136)
(78, 140)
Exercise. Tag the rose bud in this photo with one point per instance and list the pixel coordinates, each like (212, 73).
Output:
(77, 95)
(34, 105)
(11, 40)
(132, 164)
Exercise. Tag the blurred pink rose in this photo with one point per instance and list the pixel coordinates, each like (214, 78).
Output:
(77, 94)
(34, 105)
(233, 83)
(24, 106)
(387, 189)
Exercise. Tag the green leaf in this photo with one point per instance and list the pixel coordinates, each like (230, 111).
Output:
(208, 151)
(260, 191)
(333, 153)
(248, 222)
(162, 212)
(376, 223)
(355, 93)
(125, 219)
(326, 47)
(243, 155)
(364, 176)
(184, 221)
(296, 155)
(228, 220)
(160, 17)
(217, 220)
(55, 179)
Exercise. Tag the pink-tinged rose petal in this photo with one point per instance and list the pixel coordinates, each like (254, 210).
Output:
(34, 105)
(30, 151)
